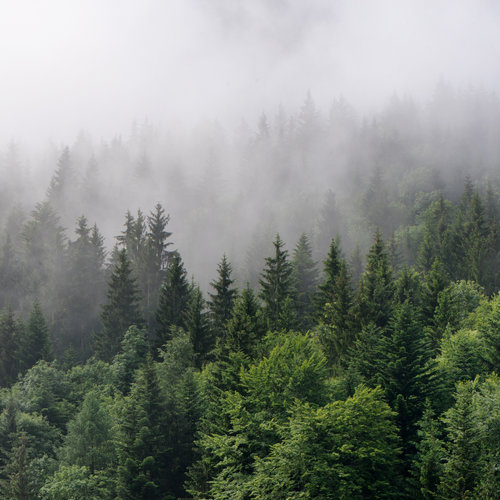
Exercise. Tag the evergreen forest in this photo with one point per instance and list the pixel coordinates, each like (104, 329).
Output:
(306, 307)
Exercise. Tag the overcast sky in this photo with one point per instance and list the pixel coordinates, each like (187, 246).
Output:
(67, 65)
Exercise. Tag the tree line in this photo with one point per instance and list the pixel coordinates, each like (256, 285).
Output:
(122, 379)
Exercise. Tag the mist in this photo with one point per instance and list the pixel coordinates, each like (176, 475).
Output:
(97, 66)
(202, 106)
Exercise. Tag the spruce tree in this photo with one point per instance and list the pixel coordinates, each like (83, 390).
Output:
(10, 333)
(244, 328)
(377, 288)
(144, 451)
(36, 343)
(222, 301)
(174, 299)
(121, 310)
(198, 327)
(276, 284)
(157, 254)
(305, 276)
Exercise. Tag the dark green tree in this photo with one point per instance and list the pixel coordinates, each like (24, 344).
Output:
(158, 254)
(377, 287)
(222, 301)
(174, 300)
(10, 336)
(121, 310)
(305, 275)
(245, 327)
(276, 284)
(199, 328)
(143, 450)
(36, 342)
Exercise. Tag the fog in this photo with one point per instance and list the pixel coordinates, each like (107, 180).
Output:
(97, 66)
(172, 100)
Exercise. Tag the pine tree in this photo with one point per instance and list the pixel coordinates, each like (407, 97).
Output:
(121, 310)
(305, 276)
(85, 290)
(144, 454)
(276, 284)
(9, 346)
(406, 372)
(244, 328)
(428, 463)
(89, 441)
(174, 299)
(198, 327)
(62, 181)
(36, 343)
(462, 467)
(377, 288)
(157, 254)
(222, 301)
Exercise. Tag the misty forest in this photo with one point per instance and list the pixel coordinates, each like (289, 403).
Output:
(302, 302)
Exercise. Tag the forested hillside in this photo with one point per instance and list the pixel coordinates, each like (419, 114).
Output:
(309, 309)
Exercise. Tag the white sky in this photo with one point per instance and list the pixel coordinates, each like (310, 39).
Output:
(67, 65)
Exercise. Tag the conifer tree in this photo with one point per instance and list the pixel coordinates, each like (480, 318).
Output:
(10, 333)
(85, 290)
(36, 343)
(377, 288)
(305, 276)
(89, 441)
(174, 299)
(244, 328)
(276, 284)
(157, 254)
(144, 454)
(406, 372)
(222, 301)
(121, 310)
(428, 464)
(198, 327)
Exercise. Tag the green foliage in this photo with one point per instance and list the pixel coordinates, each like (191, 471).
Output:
(77, 483)
(463, 357)
(46, 390)
(294, 370)
(429, 460)
(346, 449)
(89, 440)
(132, 355)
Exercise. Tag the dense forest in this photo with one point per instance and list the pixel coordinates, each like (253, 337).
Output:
(306, 309)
